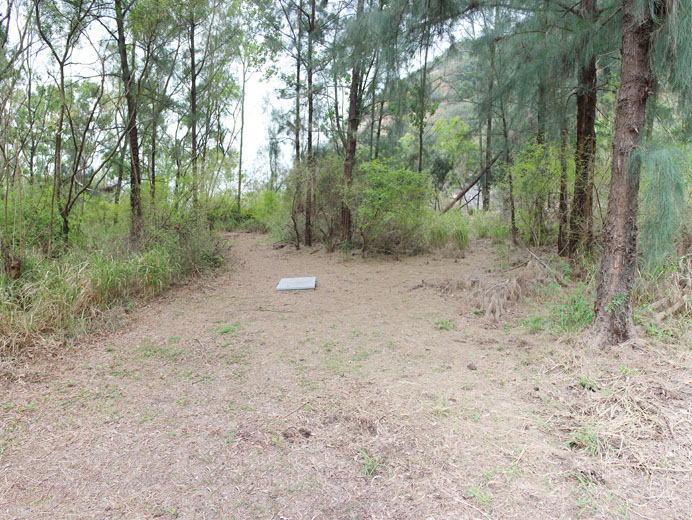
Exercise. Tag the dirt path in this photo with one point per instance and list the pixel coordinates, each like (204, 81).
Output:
(369, 398)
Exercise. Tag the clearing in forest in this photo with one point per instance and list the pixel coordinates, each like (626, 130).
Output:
(379, 395)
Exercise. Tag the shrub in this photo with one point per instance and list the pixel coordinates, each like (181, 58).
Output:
(536, 172)
(390, 213)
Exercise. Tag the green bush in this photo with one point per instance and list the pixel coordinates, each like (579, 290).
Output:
(536, 172)
(481, 224)
(390, 216)
(499, 233)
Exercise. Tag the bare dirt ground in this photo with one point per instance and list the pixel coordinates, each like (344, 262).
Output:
(375, 396)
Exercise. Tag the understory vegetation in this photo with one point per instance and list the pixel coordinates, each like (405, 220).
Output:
(61, 295)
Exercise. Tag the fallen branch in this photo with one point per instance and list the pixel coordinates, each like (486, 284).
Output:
(470, 185)
(552, 271)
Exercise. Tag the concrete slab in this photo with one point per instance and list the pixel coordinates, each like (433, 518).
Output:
(297, 284)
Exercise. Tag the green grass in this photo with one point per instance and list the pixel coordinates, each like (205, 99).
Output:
(452, 228)
(371, 463)
(568, 311)
(61, 295)
(444, 324)
(231, 329)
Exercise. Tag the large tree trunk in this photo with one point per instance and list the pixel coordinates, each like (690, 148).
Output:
(508, 165)
(354, 98)
(580, 230)
(423, 99)
(130, 128)
(152, 176)
(613, 309)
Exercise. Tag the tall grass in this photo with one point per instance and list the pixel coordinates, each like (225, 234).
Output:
(451, 229)
(61, 296)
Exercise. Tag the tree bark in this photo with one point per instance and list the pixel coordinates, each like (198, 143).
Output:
(354, 99)
(580, 232)
(423, 99)
(130, 127)
(193, 112)
(613, 322)
(508, 165)
(296, 162)
(152, 176)
(242, 131)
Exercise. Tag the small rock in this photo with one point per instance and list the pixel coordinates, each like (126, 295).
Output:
(471, 366)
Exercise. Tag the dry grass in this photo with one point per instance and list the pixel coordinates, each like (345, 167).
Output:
(670, 291)
(492, 297)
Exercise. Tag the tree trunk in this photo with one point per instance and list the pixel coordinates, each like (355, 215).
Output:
(296, 162)
(311, 155)
(488, 130)
(152, 176)
(380, 117)
(55, 195)
(613, 308)
(130, 128)
(423, 99)
(354, 97)
(580, 233)
(121, 167)
(508, 165)
(193, 114)
(373, 104)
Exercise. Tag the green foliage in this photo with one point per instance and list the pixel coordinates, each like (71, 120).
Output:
(444, 324)
(536, 173)
(451, 228)
(575, 312)
(499, 233)
(62, 295)
(454, 138)
(489, 225)
(570, 311)
(371, 463)
(390, 213)
(665, 174)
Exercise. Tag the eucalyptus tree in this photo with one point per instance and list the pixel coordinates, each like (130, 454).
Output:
(154, 30)
(12, 143)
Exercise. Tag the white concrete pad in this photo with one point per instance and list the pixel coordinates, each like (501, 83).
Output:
(297, 284)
